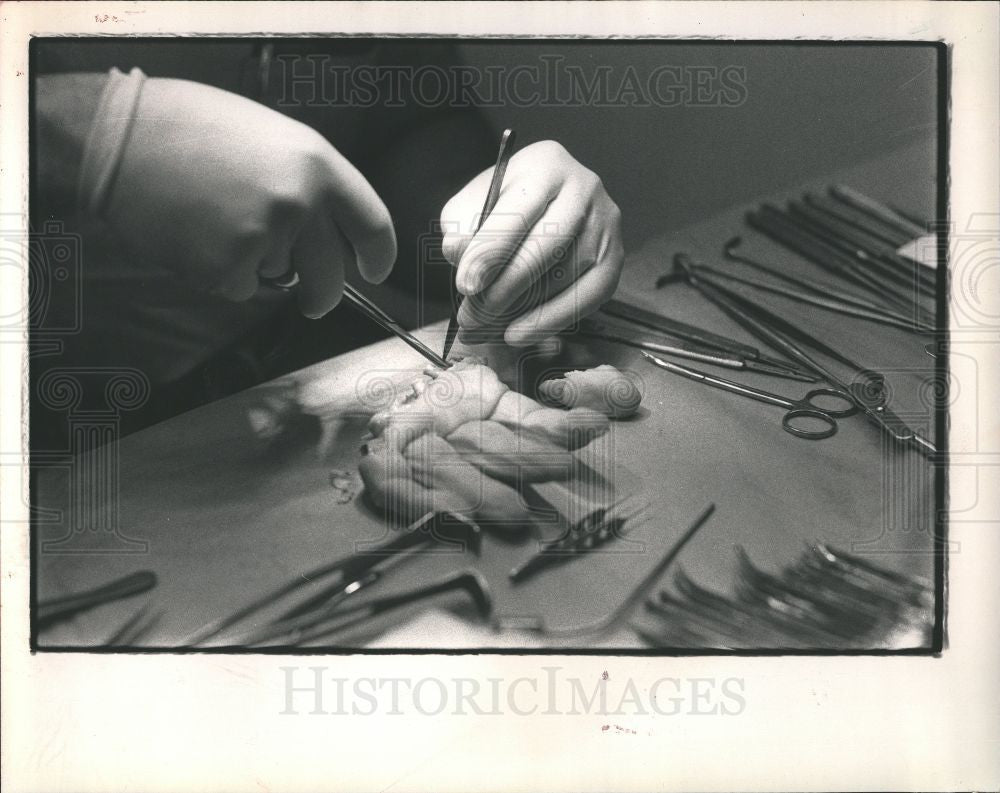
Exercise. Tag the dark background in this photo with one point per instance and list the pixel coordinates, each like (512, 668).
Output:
(809, 109)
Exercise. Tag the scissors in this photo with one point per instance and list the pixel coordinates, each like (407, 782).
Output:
(867, 394)
(805, 408)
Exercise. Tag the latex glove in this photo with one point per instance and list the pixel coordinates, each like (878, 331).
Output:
(221, 190)
(460, 440)
(549, 254)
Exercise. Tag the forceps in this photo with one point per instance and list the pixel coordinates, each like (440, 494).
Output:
(290, 280)
(868, 396)
(805, 408)
(747, 356)
(595, 329)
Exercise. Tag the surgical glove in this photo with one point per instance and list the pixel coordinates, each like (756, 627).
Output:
(548, 254)
(222, 190)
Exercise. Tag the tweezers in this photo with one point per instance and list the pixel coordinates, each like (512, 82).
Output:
(377, 315)
(749, 355)
(289, 280)
(825, 598)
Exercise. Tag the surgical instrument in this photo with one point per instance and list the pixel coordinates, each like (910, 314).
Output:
(887, 242)
(779, 227)
(615, 617)
(136, 628)
(434, 527)
(377, 315)
(729, 250)
(49, 612)
(592, 531)
(888, 283)
(764, 325)
(898, 281)
(860, 220)
(594, 329)
(684, 264)
(681, 330)
(887, 215)
(290, 280)
(819, 295)
(824, 600)
(887, 246)
(492, 196)
(804, 408)
(336, 620)
(878, 256)
(830, 304)
(704, 618)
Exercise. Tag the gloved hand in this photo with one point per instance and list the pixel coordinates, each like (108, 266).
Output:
(460, 440)
(549, 253)
(221, 190)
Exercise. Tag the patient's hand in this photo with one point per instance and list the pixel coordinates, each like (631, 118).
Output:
(462, 441)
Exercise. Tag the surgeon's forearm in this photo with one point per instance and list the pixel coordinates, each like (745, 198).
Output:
(64, 111)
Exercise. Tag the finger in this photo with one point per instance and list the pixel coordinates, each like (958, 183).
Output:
(238, 285)
(458, 217)
(319, 255)
(485, 253)
(391, 487)
(437, 465)
(510, 456)
(524, 285)
(276, 264)
(239, 280)
(571, 429)
(603, 388)
(461, 215)
(568, 429)
(591, 289)
(550, 245)
(513, 407)
(363, 217)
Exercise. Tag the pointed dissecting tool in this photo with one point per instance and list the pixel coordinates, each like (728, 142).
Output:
(503, 157)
